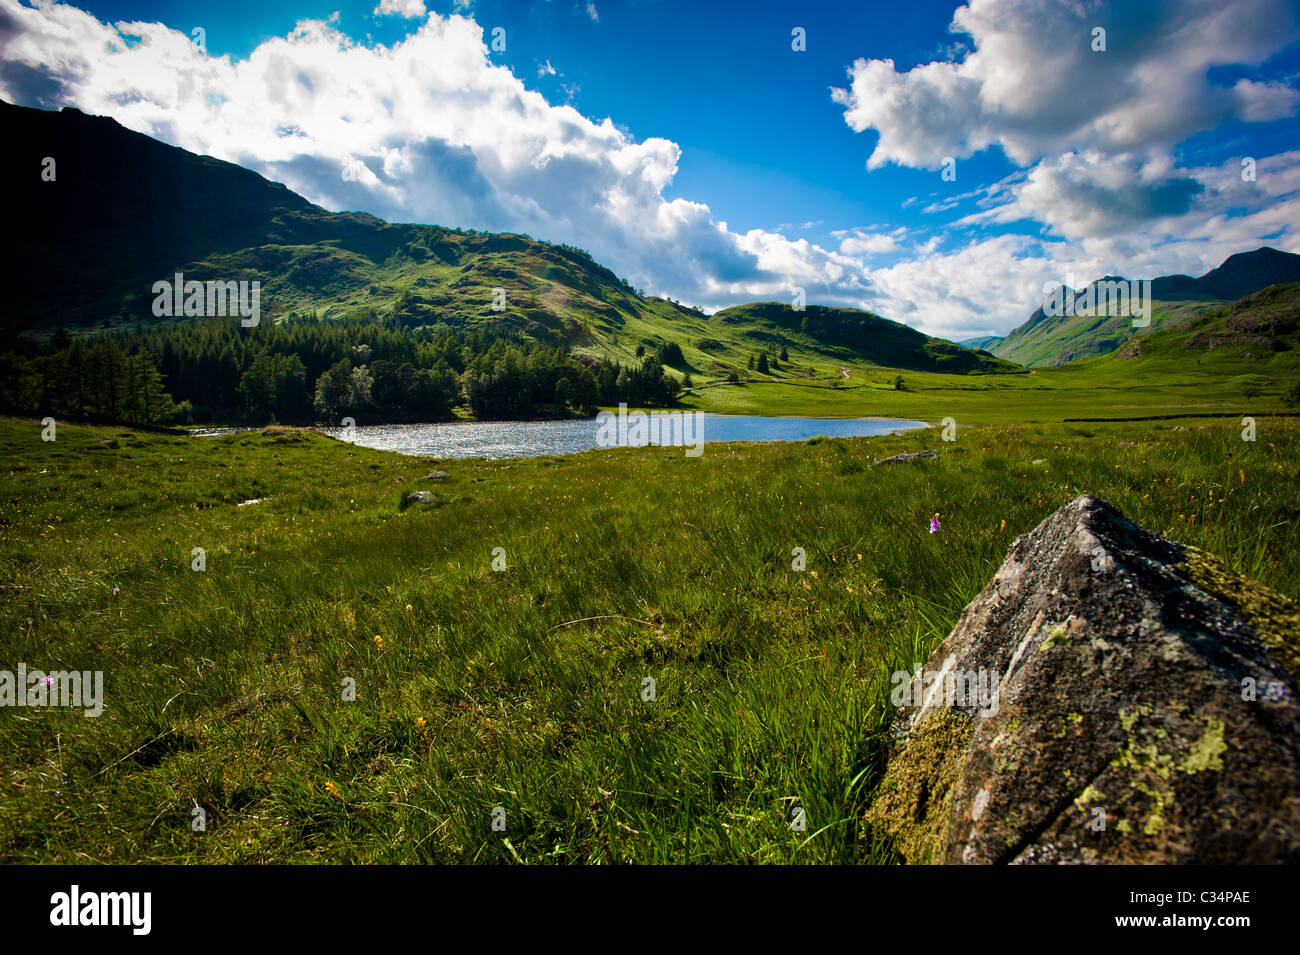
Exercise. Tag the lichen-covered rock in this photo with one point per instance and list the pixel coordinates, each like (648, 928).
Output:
(1111, 696)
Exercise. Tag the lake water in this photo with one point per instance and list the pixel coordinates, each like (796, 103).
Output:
(530, 439)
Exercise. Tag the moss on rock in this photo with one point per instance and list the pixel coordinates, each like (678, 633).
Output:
(1272, 616)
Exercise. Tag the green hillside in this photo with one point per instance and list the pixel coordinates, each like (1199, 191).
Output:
(854, 335)
(1253, 342)
(126, 211)
(984, 343)
(211, 219)
(1046, 340)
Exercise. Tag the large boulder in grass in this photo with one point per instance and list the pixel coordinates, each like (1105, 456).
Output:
(1110, 697)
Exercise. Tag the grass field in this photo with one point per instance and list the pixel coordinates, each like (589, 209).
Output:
(524, 689)
(1164, 373)
(1084, 390)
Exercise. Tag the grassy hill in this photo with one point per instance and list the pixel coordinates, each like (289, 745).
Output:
(122, 211)
(984, 343)
(855, 335)
(1253, 340)
(1231, 358)
(1045, 340)
(123, 230)
(125, 211)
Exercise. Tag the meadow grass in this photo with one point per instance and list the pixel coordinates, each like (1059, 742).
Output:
(525, 688)
(1102, 388)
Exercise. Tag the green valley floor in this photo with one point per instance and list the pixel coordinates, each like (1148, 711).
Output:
(608, 657)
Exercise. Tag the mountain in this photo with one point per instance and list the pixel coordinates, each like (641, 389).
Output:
(1239, 275)
(1046, 340)
(853, 333)
(123, 211)
(1255, 339)
(986, 343)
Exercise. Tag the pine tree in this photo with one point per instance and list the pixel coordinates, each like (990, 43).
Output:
(155, 404)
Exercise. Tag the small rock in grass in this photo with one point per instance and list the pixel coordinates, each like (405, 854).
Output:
(908, 456)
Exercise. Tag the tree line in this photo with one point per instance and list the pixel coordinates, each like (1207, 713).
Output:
(303, 370)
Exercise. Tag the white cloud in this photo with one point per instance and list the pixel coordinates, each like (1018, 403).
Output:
(971, 290)
(545, 69)
(989, 286)
(591, 12)
(428, 130)
(1033, 85)
(1094, 133)
(1089, 197)
(404, 8)
(861, 242)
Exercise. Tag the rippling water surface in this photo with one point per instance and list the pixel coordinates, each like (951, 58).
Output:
(530, 439)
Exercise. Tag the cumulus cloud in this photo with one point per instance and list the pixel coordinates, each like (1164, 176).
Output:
(1093, 132)
(966, 292)
(430, 129)
(861, 242)
(427, 130)
(1085, 195)
(403, 8)
(977, 288)
(989, 285)
(1034, 85)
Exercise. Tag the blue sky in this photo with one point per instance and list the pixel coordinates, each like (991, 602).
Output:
(708, 160)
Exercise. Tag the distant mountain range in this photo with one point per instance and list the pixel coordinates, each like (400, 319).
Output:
(1046, 340)
(124, 211)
